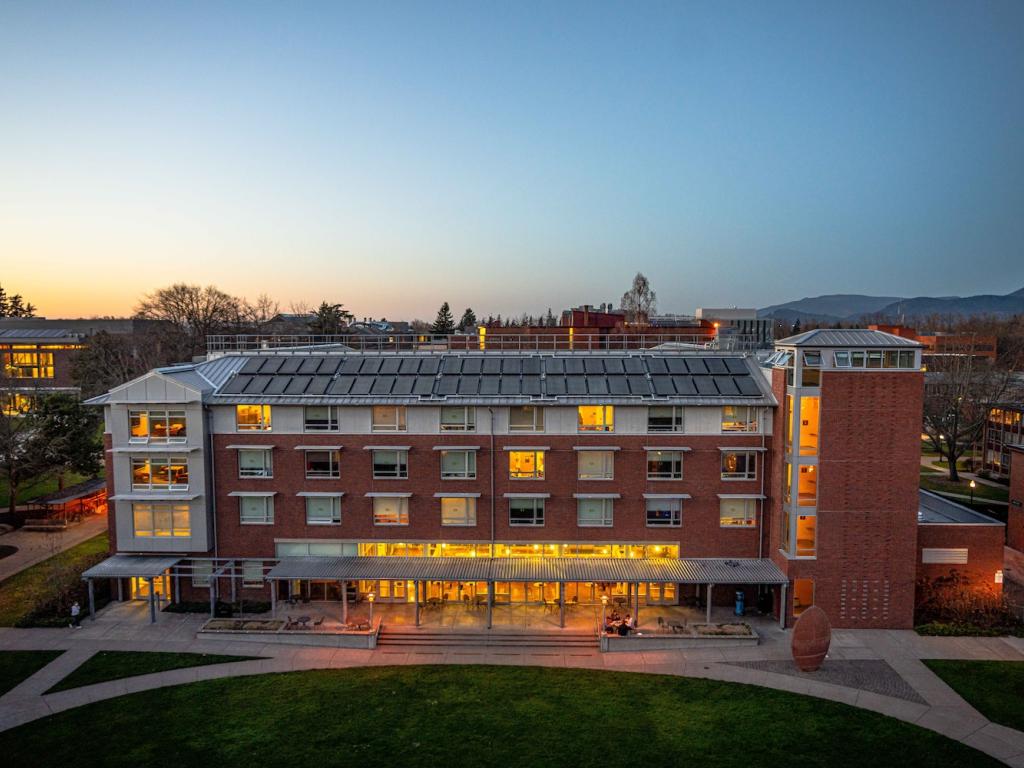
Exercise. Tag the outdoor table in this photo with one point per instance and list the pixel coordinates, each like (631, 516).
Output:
(303, 620)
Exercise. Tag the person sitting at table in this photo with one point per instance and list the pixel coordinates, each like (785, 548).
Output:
(614, 617)
(630, 622)
(625, 626)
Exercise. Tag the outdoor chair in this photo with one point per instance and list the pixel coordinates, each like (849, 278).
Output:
(318, 622)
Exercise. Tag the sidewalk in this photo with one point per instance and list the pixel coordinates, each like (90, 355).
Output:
(36, 546)
(878, 670)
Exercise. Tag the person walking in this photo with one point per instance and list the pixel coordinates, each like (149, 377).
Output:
(76, 612)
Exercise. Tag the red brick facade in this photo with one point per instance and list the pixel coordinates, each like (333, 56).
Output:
(1015, 513)
(984, 545)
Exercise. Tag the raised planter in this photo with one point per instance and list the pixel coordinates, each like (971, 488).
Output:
(730, 635)
(273, 631)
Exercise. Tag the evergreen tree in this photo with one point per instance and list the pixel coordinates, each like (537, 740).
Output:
(549, 319)
(796, 328)
(330, 319)
(468, 321)
(444, 324)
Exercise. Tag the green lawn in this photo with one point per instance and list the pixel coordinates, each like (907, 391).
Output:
(34, 489)
(16, 666)
(22, 591)
(994, 688)
(942, 484)
(114, 665)
(474, 716)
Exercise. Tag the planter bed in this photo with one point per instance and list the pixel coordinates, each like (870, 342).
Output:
(693, 636)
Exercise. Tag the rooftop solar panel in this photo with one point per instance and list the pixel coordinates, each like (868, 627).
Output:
(430, 365)
(237, 384)
(297, 385)
(663, 386)
(705, 385)
(329, 366)
(618, 385)
(593, 365)
(310, 365)
(447, 385)
(532, 366)
(277, 385)
(423, 385)
(736, 365)
(554, 365)
(256, 385)
(531, 386)
(489, 385)
(747, 386)
(371, 365)
(492, 365)
(639, 385)
(271, 365)
(574, 365)
(318, 385)
(409, 365)
(614, 365)
(403, 385)
(598, 385)
(390, 365)
(716, 366)
(677, 365)
(469, 385)
(657, 366)
(252, 365)
(362, 385)
(472, 365)
(510, 385)
(684, 385)
(696, 366)
(512, 365)
(290, 365)
(634, 365)
(342, 385)
(726, 385)
(382, 384)
(554, 385)
(576, 385)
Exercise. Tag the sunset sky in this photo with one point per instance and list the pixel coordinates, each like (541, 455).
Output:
(510, 158)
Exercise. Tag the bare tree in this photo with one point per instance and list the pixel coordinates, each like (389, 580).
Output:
(639, 301)
(110, 359)
(259, 313)
(195, 311)
(960, 389)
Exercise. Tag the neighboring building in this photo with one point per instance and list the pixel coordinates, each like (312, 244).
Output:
(1004, 428)
(522, 477)
(938, 343)
(952, 537)
(1015, 511)
(745, 322)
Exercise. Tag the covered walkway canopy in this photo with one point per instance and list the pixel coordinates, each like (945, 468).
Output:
(147, 567)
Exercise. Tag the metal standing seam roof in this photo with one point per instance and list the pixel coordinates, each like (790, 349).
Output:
(852, 337)
(664, 570)
(46, 334)
(125, 566)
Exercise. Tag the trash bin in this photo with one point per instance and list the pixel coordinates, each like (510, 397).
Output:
(740, 599)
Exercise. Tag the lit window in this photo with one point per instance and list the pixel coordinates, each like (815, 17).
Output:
(458, 465)
(664, 513)
(458, 419)
(161, 520)
(320, 418)
(526, 512)
(664, 465)
(739, 418)
(810, 419)
(15, 403)
(256, 510)
(739, 465)
(526, 465)
(156, 426)
(390, 510)
(322, 464)
(28, 365)
(388, 418)
(390, 465)
(806, 535)
(807, 486)
(252, 574)
(595, 418)
(665, 418)
(803, 595)
(594, 513)
(252, 418)
(160, 474)
(526, 418)
(596, 465)
(737, 513)
(255, 463)
(458, 511)
(323, 510)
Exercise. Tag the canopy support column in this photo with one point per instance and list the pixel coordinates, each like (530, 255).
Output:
(120, 590)
(490, 604)
(231, 576)
(213, 597)
(177, 585)
(344, 602)
(152, 602)
(92, 600)
(636, 613)
(782, 607)
(273, 598)
(416, 587)
(561, 604)
(710, 588)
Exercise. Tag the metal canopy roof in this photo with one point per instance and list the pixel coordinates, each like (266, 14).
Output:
(848, 337)
(124, 566)
(664, 570)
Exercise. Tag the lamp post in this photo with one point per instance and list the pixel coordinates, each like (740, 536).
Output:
(973, 484)
(370, 598)
(604, 608)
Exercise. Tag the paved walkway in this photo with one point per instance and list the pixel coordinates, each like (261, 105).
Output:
(36, 546)
(878, 670)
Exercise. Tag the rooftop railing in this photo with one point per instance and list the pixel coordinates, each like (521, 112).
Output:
(557, 341)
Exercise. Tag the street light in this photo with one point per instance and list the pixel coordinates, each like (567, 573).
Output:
(370, 598)
(604, 608)
(973, 484)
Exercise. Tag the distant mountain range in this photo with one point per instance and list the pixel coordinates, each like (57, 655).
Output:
(851, 307)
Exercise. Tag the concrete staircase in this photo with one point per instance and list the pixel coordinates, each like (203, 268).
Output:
(434, 638)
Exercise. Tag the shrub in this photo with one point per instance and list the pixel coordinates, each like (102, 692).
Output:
(222, 610)
(953, 605)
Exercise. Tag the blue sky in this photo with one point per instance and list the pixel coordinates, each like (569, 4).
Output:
(510, 158)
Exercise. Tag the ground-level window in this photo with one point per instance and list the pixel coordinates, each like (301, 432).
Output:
(458, 511)
(737, 513)
(161, 520)
(390, 510)
(526, 512)
(256, 510)
(252, 573)
(594, 513)
(664, 513)
(390, 465)
(526, 465)
(458, 465)
(596, 465)
(664, 465)
(803, 595)
(323, 510)
(255, 463)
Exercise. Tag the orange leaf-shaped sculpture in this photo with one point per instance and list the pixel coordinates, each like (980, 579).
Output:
(812, 634)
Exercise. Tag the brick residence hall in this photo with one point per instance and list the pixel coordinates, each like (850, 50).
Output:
(663, 475)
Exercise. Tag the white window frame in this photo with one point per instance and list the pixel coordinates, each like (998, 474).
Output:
(607, 513)
(333, 419)
(264, 518)
(335, 511)
(750, 514)
(379, 422)
(673, 506)
(334, 470)
(537, 425)
(538, 474)
(607, 469)
(750, 424)
(537, 503)
(249, 473)
(606, 425)
(153, 415)
(466, 424)
(468, 517)
(678, 418)
(469, 462)
(750, 474)
(662, 476)
(263, 424)
(152, 530)
(402, 513)
(166, 462)
(401, 471)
